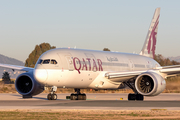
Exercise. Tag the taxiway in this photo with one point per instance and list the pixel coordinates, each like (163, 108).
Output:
(102, 101)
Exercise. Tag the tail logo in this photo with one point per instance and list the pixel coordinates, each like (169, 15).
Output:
(152, 38)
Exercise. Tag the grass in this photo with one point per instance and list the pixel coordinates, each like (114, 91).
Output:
(157, 109)
(87, 115)
(132, 114)
(7, 88)
(172, 85)
(55, 115)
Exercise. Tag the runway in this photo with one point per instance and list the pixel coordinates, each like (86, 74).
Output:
(100, 101)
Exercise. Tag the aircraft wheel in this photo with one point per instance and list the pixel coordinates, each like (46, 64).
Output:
(54, 97)
(84, 96)
(80, 97)
(139, 97)
(73, 96)
(131, 97)
(49, 96)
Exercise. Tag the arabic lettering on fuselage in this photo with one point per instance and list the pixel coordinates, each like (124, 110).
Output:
(87, 64)
(112, 59)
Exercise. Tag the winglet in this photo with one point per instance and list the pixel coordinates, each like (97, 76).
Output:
(150, 42)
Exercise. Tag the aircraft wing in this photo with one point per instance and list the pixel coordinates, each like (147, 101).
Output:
(126, 75)
(170, 70)
(15, 67)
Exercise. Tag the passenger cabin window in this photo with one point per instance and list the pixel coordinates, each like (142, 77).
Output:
(53, 62)
(46, 61)
(40, 61)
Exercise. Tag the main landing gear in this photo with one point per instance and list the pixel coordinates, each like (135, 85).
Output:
(52, 95)
(78, 95)
(136, 95)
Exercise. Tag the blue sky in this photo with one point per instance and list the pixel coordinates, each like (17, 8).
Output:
(120, 25)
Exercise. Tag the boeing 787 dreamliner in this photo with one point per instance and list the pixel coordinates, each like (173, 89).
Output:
(91, 69)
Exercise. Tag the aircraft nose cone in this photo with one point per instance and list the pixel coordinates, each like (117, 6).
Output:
(40, 75)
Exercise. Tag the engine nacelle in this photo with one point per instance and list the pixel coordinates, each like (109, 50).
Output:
(26, 85)
(150, 84)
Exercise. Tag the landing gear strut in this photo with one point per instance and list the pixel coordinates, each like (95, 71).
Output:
(136, 95)
(78, 95)
(52, 95)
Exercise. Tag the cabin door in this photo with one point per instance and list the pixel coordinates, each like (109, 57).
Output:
(131, 65)
(67, 60)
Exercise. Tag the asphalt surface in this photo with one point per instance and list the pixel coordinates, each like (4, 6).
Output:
(110, 101)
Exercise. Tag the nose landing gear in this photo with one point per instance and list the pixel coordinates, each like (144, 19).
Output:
(52, 95)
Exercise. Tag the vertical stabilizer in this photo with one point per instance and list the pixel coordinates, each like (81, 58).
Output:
(150, 42)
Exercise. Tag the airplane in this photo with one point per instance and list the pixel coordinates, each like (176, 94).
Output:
(99, 70)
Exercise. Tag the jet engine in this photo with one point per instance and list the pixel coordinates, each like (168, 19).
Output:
(150, 84)
(26, 85)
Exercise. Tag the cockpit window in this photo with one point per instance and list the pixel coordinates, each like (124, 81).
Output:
(53, 62)
(46, 61)
(40, 61)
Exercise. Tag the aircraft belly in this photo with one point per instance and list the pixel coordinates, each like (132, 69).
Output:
(82, 80)
(70, 79)
(86, 79)
(100, 82)
(56, 77)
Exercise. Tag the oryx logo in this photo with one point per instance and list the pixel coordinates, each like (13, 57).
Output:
(152, 39)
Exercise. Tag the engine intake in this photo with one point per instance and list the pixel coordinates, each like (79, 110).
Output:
(150, 84)
(26, 85)
(145, 84)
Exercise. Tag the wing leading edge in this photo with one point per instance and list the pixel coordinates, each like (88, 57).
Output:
(15, 67)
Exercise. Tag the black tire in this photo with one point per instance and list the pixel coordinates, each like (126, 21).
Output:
(84, 96)
(54, 97)
(80, 97)
(131, 97)
(139, 97)
(73, 97)
(49, 96)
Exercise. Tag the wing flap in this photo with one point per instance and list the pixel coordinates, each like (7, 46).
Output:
(15, 67)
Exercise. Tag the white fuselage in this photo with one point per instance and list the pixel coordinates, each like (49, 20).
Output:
(75, 68)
